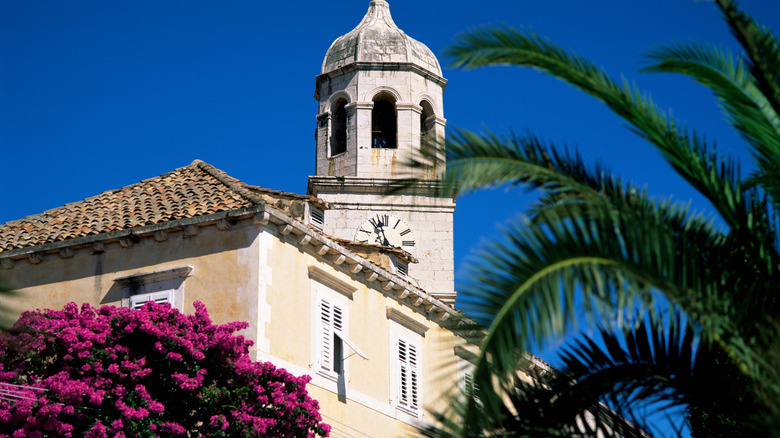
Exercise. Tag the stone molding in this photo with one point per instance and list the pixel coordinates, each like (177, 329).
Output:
(154, 277)
(406, 321)
(384, 186)
(328, 279)
(378, 66)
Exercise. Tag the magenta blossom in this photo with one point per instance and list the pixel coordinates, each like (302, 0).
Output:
(118, 372)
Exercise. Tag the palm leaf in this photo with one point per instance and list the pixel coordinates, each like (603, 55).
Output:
(716, 178)
(761, 49)
(747, 108)
(762, 58)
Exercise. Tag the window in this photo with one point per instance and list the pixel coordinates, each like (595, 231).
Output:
(383, 123)
(159, 286)
(316, 218)
(427, 119)
(466, 356)
(408, 377)
(339, 137)
(402, 268)
(333, 343)
(331, 335)
(406, 333)
(330, 348)
(470, 388)
(137, 301)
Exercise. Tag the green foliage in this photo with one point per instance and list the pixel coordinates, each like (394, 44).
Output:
(706, 339)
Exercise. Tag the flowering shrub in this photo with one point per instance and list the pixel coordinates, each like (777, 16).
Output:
(153, 372)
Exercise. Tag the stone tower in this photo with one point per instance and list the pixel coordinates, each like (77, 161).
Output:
(380, 97)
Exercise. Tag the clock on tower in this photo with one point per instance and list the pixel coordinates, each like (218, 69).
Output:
(388, 230)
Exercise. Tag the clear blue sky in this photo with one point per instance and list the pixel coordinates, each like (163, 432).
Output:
(96, 95)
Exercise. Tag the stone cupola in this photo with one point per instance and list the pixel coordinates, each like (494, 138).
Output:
(380, 97)
(378, 39)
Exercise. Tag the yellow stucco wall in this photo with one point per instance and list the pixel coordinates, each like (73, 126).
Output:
(252, 273)
(290, 298)
(224, 274)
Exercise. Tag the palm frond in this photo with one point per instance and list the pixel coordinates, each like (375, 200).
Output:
(530, 281)
(715, 177)
(595, 244)
(747, 108)
(761, 48)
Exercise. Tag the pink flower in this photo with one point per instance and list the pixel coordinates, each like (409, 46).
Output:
(123, 362)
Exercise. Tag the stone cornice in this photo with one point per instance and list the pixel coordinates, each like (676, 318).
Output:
(378, 66)
(329, 279)
(152, 277)
(403, 319)
(384, 186)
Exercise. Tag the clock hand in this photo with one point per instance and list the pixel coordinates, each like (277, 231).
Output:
(386, 242)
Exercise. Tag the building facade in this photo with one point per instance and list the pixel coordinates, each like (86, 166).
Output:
(347, 284)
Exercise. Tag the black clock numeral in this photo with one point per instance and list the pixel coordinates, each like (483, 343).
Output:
(396, 223)
(405, 232)
(407, 243)
(373, 222)
(385, 220)
(364, 231)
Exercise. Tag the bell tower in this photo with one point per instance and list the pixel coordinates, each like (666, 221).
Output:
(380, 97)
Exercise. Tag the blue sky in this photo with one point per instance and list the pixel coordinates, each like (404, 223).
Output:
(97, 95)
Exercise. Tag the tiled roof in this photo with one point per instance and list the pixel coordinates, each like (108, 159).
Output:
(190, 191)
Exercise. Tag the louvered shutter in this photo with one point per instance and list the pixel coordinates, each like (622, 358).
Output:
(331, 325)
(137, 301)
(326, 335)
(472, 389)
(408, 362)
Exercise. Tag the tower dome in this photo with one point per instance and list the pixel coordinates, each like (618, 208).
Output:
(380, 98)
(378, 40)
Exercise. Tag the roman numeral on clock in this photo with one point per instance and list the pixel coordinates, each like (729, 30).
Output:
(407, 243)
(405, 232)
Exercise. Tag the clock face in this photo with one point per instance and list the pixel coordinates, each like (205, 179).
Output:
(388, 230)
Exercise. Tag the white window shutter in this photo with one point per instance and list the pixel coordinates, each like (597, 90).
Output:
(413, 379)
(326, 335)
(409, 385)
(137, 301)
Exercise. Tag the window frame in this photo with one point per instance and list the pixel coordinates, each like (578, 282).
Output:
(406, 380)
(384, 122)
(330, 338)
(338, 130)
(465, 364)
(165, 286)
(337, 293)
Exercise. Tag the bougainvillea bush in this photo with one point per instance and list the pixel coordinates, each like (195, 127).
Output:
(153, 372)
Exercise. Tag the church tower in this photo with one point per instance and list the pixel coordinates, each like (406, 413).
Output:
(380, 97)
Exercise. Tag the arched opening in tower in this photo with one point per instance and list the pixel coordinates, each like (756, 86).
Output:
(383, 123)
(339, 134)
(427, 119)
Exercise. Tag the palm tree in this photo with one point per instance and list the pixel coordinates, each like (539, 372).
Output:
(704, 324)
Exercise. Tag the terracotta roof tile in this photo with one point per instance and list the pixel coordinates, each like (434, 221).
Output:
(194, 190)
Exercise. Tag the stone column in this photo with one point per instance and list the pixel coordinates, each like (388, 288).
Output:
(360, 129)
(323, 143)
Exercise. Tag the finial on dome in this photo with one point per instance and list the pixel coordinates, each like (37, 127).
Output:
(377, 39)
